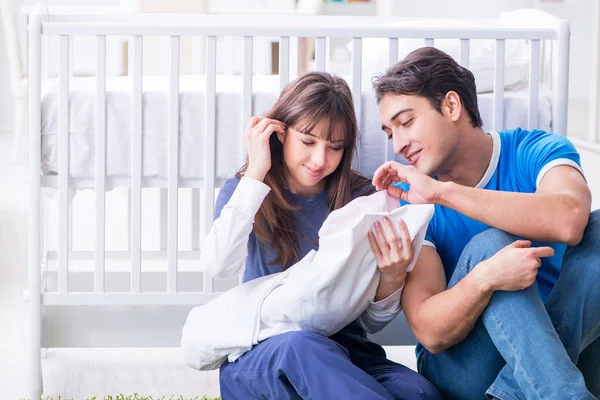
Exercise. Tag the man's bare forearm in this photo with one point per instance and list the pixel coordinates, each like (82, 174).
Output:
(445, 319)
(544, 217)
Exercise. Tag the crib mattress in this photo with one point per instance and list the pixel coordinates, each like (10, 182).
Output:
(229, 126)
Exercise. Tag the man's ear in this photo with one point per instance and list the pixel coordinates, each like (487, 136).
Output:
(452, 105)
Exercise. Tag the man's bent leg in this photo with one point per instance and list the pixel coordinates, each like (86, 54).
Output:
(522, 332)
(574, 303)
(467, 369)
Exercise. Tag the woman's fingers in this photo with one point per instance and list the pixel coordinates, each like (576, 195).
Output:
(270, 129)
(406, 242)
(253, 121)
(264, 123)
(393, 241)
(375, 247)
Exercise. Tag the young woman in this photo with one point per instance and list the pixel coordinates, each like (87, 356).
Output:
(268, 217)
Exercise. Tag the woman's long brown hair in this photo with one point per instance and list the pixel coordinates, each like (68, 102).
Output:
(313, 98)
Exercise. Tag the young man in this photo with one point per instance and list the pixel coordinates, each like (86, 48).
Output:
(495, 315)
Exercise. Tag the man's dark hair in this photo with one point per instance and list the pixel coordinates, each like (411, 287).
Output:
(430, 73)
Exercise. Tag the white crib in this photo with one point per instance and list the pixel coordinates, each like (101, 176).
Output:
(105, 306)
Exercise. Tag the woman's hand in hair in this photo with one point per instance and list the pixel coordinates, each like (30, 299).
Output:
(393, 254)
(423, 188)
(257, 137)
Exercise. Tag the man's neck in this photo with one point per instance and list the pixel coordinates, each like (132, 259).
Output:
(471, 158)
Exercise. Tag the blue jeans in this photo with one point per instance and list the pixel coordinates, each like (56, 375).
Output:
(306, 365)
(521, 348)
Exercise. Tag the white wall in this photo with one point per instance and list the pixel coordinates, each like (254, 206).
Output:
(6, 108)
(578, 12)
(453, 9)
(580, 15)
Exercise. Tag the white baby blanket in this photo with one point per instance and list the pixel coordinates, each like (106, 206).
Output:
(322, 293)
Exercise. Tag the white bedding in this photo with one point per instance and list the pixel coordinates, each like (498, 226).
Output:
(191, 112)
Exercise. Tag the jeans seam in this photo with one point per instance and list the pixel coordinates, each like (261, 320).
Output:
(591, 330)
(494, 391)
(516, 354)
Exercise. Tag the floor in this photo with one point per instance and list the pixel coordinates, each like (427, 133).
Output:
(79, 374)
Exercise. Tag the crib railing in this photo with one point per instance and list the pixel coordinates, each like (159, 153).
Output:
(205, 29)
(210, 26)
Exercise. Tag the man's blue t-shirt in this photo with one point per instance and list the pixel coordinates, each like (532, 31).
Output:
(519, 161)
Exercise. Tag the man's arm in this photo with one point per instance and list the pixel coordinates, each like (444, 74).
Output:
(442, 318)
(557, 212)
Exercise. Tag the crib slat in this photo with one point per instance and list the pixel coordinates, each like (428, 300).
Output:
(465, 49)
(320, 53)
(209, 145)
(284, 61)
(534, 83)
(136, 169)
(498, 118)
(393, 51)
(357, 87)
(429, 42)
(63, 167)
(162, 216)
(100, 184)
(195, 218)
(560, 79)
(36, 211)
(173, 172)
(392, 59)
(357, 77)
(246, 91)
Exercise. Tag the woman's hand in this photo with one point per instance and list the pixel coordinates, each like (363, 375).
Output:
(257, 137)
(393, 255)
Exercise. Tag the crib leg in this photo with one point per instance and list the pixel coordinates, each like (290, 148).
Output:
(34, 357)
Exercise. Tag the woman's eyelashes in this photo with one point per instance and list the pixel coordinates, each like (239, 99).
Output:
(334, 148)
(407, 123)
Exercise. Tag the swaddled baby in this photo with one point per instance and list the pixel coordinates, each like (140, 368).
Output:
(323, 292)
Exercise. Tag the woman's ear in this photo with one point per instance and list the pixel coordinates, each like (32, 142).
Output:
(281, 136)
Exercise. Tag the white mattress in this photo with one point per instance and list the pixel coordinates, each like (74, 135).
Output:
(191, 125)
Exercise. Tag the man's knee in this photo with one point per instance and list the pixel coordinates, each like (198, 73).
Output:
(592, 229)
(581, 263)
(489, 241)
(481, 247)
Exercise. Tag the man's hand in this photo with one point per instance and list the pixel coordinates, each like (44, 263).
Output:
(515, 267)
(423, 189)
